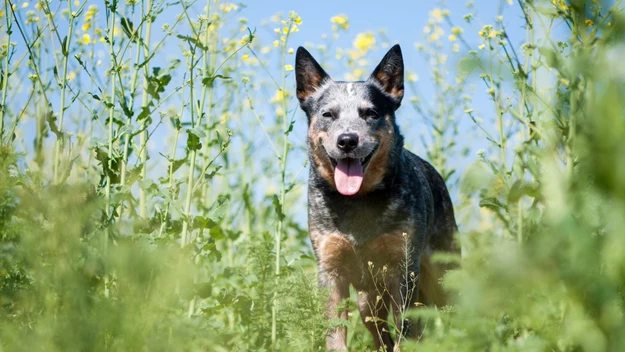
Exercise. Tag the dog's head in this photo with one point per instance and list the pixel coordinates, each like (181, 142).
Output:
(351, 125)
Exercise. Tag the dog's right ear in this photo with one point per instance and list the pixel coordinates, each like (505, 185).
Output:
(308, 74)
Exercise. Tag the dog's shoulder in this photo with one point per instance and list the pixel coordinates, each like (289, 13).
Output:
(443, 220)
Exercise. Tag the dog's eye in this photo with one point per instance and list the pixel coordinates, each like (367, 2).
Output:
(372, 113)
(326, 114)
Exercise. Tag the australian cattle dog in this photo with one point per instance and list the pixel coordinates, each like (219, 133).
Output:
(376, 211)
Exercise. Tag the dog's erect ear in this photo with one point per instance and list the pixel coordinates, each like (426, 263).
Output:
(390, 74)
(308, 74)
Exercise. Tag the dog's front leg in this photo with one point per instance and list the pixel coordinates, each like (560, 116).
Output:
(339, 291)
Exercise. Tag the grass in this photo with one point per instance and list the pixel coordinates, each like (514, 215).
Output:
(152, 201)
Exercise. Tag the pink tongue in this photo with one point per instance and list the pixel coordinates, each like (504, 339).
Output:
(348, 176)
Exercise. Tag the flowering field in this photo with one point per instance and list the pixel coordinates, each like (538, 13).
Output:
(153, 174)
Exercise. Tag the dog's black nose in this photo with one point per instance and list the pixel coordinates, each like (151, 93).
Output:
(347, 142)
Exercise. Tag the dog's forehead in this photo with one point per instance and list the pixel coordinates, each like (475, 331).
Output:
(346, 94)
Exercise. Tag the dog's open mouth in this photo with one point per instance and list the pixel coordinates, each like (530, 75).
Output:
(349, 172)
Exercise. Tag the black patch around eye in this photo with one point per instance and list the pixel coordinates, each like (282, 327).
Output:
(372, 114)
(369, 114)
(327, 114)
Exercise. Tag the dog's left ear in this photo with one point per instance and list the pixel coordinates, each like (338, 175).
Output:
(389, 74)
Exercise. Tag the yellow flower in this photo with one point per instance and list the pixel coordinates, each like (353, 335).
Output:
(560, 4)
(436, 34)
(354, 54)
(24, 5)
(86, 39)
(589, 23)
(455, 48)
(278, 96)
(245, 57)
(452, 37)
(288, 67)
(285, 30)
(265, 50)
(297, 20)
(340, 21)
(276, 43)
(85, 27)
(364, 41)
(290, 51)
(228, 7)
(437, 15)
(1, 13)
(481, 46)
(456, 30)
(412, 77)
(355, 75)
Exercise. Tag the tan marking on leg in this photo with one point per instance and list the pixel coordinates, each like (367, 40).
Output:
(387, 250)
(337, 257)
(336, 339)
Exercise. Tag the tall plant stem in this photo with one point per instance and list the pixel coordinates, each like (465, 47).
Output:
(5, 72)
(195, 110)
(65, 51)
(280, 225)
(143, 137)
(133, 86)
(110, 136)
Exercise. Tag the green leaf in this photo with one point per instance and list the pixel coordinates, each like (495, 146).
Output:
(201, 222)
(193, 41)
(209, 176)
(520, 189)
(64, 47)
(193, 141)
(144, 114)
(492, 203)
(290, 129)
(278, 207)
(128, 28)
(157, 82)
(204, 289)
(208, 81)
(176, 164)
(218, 210)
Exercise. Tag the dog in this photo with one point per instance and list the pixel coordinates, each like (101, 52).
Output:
(376, 211)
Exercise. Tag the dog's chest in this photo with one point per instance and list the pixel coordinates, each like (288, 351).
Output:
(362, 264)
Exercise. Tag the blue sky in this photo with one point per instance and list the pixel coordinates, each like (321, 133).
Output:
(404, 23)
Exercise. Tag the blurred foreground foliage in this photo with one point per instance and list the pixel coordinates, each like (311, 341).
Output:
(203, 252)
